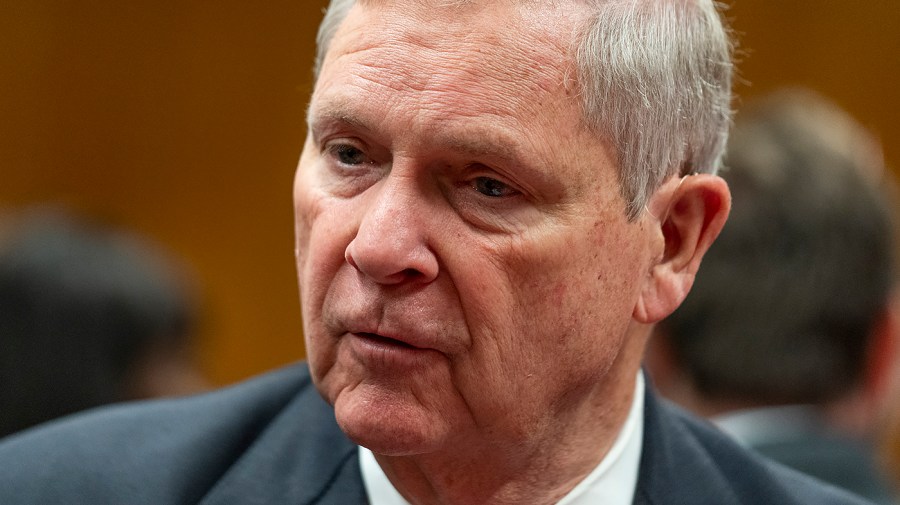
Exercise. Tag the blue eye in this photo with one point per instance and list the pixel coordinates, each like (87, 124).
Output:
(349, 155)
(491, 187)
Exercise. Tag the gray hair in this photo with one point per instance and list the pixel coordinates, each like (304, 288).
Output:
(335, 14)
(656, 82)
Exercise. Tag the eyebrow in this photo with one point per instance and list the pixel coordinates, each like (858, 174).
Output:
(498, 145)
(482, 142)
(490, 144)
(340, 111)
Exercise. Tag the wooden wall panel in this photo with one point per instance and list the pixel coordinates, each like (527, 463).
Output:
(848, 51)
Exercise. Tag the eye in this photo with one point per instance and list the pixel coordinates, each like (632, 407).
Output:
(492, 187)
(347, 154)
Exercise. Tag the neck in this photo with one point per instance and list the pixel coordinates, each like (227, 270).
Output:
(538, 468)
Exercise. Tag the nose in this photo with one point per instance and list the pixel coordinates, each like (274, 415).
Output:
(391, 245)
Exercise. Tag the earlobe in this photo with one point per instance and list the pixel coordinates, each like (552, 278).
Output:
(696, 211)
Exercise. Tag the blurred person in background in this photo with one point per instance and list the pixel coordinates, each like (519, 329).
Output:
(89, 315)
(786, 340)
(890, 434)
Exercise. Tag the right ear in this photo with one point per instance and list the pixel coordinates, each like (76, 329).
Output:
(694, 210)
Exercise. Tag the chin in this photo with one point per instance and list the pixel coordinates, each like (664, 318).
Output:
(390, 426)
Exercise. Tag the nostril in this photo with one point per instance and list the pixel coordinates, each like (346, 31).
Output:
(411, 273)
(349, 258)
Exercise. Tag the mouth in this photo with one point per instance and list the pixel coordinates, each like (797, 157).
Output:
(389, 355)
(385, 341)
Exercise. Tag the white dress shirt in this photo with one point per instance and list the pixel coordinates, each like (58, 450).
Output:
(612, 482)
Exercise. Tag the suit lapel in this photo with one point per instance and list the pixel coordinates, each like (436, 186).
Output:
(301, 458)
(675, 468)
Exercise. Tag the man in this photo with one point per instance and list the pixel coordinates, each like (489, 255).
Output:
(786, 338)
(494, 203)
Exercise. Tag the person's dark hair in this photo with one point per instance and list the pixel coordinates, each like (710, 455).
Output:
(79, 305)
(783, 307)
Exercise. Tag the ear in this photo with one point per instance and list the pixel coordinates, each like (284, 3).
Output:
(692, 212)
(881, 356)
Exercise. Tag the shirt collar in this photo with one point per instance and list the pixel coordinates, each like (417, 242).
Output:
(612, 482)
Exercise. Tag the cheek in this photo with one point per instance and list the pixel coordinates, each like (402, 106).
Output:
(306, 206)
(322, 234)
(320, 255)
(317, 224)
(557, 301)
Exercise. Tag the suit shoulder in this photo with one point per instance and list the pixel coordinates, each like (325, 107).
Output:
(161, 451)
(688, 461)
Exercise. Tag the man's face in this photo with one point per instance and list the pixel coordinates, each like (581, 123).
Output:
(465, 263)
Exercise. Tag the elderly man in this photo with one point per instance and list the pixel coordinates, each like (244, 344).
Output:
(495, 202)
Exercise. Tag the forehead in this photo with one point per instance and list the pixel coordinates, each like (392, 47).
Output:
(488, 57)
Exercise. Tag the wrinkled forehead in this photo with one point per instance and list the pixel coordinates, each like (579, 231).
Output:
(509, 47)
(517, 28)
(533, 5)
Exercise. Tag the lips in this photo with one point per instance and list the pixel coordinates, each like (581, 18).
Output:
(396, 336)
(386, 331)
(414, 320)
(389, 357)
(382, 340)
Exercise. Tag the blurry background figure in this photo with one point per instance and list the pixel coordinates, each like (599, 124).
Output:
(88, 315)
(786, 340)
(890, 447)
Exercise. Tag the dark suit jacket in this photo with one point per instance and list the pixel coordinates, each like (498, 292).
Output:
(799, 437)
(273, 440)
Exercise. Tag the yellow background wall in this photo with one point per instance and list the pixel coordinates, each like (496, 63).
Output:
(184, 121)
